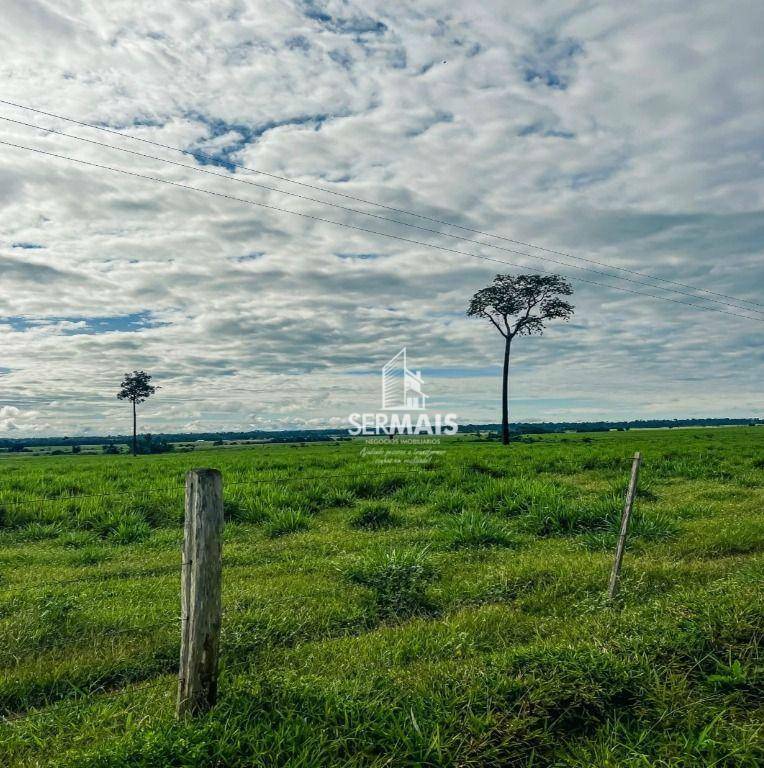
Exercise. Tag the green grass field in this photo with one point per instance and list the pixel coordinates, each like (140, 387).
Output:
(394, 609)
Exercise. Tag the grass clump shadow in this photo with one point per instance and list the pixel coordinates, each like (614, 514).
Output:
(398, 581)
(77, 539)
(157, 512)
(374, 516)
(285, 521)
(90, 555)
(324, 495)
(371, 487)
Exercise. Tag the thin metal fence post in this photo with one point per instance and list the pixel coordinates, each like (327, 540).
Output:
(615, 573)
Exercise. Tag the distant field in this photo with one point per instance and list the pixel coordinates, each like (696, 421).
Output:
(445, 610)
(123, 447)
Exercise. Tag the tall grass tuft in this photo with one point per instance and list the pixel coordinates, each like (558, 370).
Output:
(374, 516)
(339, 497)
(246, 509)
(77, 539)
(447, 502)
(157, 511)
(39, 532)
(601, 515)
(129, 530)
(285, 521)
(653, 525)
(398, 580)
(377, 487)
(59, 617)
(415, 493)
(519, 496)
(476, 529)
(481, 468)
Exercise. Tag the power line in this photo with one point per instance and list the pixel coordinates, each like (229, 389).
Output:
(225, 177)
(196, 154)
(370, 231)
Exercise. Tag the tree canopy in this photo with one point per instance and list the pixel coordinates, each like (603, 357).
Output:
(136, 387)
(518, 305)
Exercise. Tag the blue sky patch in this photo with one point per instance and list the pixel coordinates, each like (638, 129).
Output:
(538, 129)
(141, 121)
(546, 76)
(298, 42)
(216, 127)
(343, 58)
(252, 256)
(135, 321)
(352, 25)
(356, 256)
(552, 63)
(438, 117)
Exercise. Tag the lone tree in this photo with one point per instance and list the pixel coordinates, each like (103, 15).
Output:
(519, 305)
(136, 388)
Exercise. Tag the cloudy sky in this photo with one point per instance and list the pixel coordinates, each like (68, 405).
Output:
(625, 133)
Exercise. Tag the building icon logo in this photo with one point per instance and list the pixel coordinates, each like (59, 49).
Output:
(404, 407)
(401, 387)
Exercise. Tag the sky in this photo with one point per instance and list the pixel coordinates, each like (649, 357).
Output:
(624, 133)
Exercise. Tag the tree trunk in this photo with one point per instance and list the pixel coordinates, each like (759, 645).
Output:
(505, 395)
(135, 432)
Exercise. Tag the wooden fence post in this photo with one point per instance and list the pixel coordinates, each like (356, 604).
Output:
(201, 591)
(631, 494)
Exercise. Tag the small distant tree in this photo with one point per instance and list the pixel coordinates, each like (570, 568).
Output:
(520, 305)
(150, 444)
(137, 388)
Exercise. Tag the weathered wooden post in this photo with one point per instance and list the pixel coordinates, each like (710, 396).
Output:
(631, 494)
(201, 591)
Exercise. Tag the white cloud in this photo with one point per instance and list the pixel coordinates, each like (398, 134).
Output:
(14, 420)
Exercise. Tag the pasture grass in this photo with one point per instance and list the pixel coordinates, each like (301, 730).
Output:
(442, 613)
(374, 515)
(283, 521)
(475, 529)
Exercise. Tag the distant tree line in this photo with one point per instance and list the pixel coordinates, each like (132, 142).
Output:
(538, 428)
(120, 442)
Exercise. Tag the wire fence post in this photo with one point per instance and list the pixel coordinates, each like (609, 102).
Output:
(631, 494)
(201, 592)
